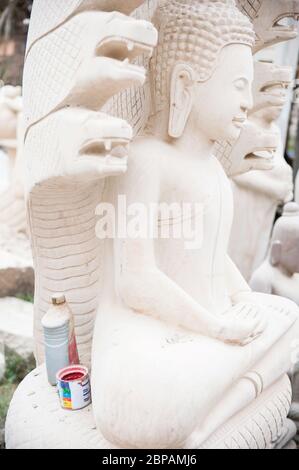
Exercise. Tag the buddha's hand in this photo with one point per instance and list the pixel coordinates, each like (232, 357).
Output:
(241, 324)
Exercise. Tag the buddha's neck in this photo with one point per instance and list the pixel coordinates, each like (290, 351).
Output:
(194, 144)
(191, 144)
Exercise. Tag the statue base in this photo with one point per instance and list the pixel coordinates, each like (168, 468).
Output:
(35, 420)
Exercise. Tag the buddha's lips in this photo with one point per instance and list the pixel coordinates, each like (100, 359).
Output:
(239, 121)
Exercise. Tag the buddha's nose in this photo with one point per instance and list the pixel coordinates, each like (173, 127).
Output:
(247, 103)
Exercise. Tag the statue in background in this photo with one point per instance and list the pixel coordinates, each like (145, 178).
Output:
(257, 194)
(10, 108)
(160, 316)
(12, 204)
(266, 16)
(279, 272)
(16, 271)
(279, 275)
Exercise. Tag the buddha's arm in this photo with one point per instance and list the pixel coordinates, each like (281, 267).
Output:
(140, 283)
(148, 290)
(238, 289)
(236, 284)
(144, 288)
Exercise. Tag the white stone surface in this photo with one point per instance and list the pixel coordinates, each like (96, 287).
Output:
(4, 171)
(257, 193)
(262, 425)
(16, 325)
(15, 249)
(166, 317)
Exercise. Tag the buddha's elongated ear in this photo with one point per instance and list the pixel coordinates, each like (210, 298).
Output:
(275, 252)
(181, 98)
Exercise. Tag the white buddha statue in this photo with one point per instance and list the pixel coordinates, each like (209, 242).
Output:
(183, 352)
(161, 293)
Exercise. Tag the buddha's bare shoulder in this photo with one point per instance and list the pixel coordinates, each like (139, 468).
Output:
(150, 148)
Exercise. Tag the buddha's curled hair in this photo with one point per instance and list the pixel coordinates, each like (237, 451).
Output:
(194, 32)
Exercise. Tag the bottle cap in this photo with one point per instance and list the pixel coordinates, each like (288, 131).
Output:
(58, 299)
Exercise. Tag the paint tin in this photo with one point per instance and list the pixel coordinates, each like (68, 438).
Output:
(73, 386)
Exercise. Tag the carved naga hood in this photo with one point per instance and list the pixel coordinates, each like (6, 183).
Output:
(79, 57)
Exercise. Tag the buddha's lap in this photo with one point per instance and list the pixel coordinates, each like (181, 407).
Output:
(153, 352)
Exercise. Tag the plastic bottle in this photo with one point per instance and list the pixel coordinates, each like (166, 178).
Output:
(59, 337)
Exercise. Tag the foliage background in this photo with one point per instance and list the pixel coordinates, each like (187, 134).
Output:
(14, 16)
(14, 20)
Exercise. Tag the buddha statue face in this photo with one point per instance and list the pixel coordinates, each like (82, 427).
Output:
(221, 104)
(202, 69)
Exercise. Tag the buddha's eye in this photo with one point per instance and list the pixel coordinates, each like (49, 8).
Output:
(240, 83)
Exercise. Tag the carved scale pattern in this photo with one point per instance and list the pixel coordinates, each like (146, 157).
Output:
(222, 151)
(50, 66)
(250, 8)
(262, 425)
(48, 16)
(67, 257)
(53, 61)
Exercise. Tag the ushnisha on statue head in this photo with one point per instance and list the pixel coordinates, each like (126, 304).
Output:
(202, 67)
